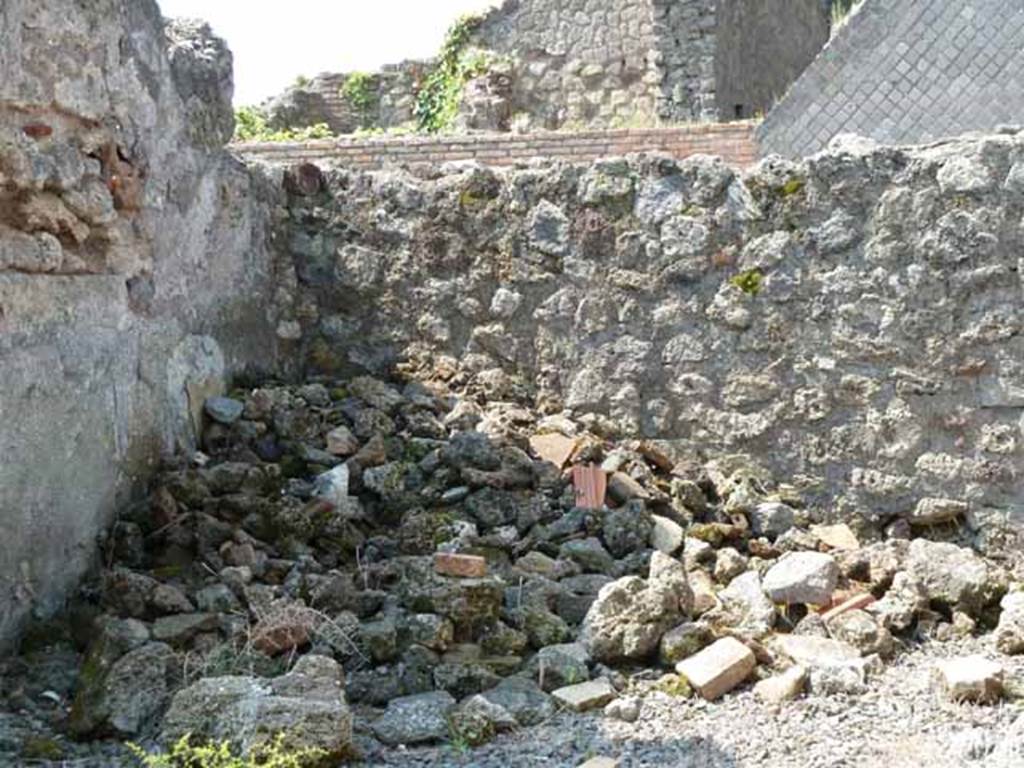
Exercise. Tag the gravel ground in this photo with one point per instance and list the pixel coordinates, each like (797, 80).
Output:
(898, 723)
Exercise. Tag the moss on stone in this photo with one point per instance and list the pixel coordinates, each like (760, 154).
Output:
(41, 748)
(676, 685)
(750, 282)
(793, 187)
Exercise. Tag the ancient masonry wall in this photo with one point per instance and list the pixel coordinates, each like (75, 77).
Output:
(734, 142)
(584, 64)
(852, 321)
(579, 62)
(905, 71)
(134, 255)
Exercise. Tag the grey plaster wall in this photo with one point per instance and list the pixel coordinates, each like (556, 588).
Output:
(762, 46)
(908, 71)
(134, 258)
(852, 322)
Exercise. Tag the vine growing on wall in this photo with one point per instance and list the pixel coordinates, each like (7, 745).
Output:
(437, 102)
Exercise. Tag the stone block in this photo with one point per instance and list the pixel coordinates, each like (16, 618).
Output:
(970, 678)
(666, 535)
(718, 668)
(585, 696)
(460, 566)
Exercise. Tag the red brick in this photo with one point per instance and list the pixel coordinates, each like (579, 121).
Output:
(862, 600)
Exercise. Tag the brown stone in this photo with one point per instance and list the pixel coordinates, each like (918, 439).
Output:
(555, 448)
(836, 536)
(622, 488)
(719, 668)
(37, 130)
(462, 566)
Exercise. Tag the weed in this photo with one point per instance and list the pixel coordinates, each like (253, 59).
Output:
(793, 187)
(251, 125)
(750, 282)
(271, 754)
(676, 685)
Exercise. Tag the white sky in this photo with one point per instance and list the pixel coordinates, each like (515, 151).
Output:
(275, 41)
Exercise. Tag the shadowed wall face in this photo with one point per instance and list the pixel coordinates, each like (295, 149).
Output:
(762, 47)
(853, 321)
(132, 260)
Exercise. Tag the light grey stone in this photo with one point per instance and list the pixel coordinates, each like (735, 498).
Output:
(415, 719)
(802, 577)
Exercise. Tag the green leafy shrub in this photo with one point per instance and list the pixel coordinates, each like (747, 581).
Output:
(251, 125)
(437, 102)
(358, 91)
(271, 754)
(841, 10)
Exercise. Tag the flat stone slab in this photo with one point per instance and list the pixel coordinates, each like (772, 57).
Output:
(811, 651)
(585, 696)
(600, 762)
(836, 536)
(971, 678)
(461, 566)
(415, 719)
(554, 448)
(719, 668)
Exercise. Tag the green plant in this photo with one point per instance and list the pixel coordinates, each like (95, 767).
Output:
(676, 685)
(793, 187)
(437, 102)
(467, 730)
(251, 125)
(250, 122)
(269, 754)
(302, 82)
(841, 10)
(358, 91)
(750, 282)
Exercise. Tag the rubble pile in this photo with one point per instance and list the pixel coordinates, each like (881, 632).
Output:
(368, 564)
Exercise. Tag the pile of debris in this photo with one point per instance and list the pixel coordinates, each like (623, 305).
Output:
(366, 564)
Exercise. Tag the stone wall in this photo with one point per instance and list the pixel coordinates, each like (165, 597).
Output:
(853, 321)
(907, 71)
(584, 64)
(133, 255)
(391, 100)
(734, 142)
(577, 62)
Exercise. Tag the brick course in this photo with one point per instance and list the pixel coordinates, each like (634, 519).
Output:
(734, 142)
